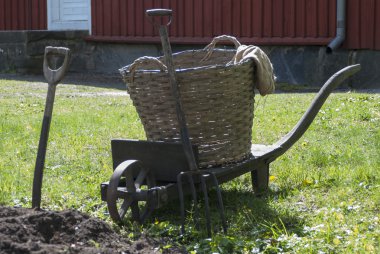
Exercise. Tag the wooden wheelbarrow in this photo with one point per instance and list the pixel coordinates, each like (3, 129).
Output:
(148, 175)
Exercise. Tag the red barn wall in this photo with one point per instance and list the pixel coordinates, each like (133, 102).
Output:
(197, 21)
(262, 22)
(363, 24)
(268, 22)
(23, 15)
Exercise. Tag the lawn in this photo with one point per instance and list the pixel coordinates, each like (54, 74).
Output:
(324, 193)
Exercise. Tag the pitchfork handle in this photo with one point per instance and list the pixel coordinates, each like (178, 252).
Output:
(159, 12)
(152, 13)
(188, 149)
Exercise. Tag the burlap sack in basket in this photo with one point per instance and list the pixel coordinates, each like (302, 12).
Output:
(217, 99)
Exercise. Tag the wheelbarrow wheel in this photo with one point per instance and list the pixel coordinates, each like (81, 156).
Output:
(126, 191)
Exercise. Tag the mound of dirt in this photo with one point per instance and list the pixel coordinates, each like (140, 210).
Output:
(31, 231)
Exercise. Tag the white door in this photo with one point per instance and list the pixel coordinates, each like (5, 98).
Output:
(69, 14)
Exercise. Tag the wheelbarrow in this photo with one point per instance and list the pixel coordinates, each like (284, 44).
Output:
(149, 174)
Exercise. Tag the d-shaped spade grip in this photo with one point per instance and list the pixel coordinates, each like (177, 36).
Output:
(54, 76)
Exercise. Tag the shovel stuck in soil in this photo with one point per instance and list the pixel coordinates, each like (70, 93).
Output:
(53, 77)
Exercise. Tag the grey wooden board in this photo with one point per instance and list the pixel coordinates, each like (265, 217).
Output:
(166, 160)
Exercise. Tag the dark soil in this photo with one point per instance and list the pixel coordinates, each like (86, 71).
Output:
(31, 231)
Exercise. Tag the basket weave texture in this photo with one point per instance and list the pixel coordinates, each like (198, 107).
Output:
(217, 100)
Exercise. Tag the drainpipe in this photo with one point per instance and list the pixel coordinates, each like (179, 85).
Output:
(340, 26)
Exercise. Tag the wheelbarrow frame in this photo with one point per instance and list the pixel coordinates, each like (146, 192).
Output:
(167, 188)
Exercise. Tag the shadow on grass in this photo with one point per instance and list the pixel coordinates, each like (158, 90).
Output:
(111, 81)
(247, 215)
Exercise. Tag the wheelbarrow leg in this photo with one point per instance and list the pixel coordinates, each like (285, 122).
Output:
(260, 178)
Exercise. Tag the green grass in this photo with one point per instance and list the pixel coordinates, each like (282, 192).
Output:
(324, 193)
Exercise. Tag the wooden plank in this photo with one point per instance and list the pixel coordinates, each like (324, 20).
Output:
(8, 15)
(107, 18)
(139, 17)
(217, 18)
(165, 160)
(115, 17)
(367, 15)
(208, 18)
(226, 16)
(257, 18)
(148, 27)
(99, 18)
(180, 18)
(236, 18)
(43, 15)
(123, 18)
(22, 16)
(353, 24)
(300, 18)
(15, 15)
(166, 4)
(198, 18)
(93, 15)
(35, 13)
(289, 29)
(332, 19)
(323, 18)
(189, 17)
(131, 18)
(28, 15)
(311, 18)
(2, 14)
(278, 18)
(377, 26)
(246, 18)
(267, 19)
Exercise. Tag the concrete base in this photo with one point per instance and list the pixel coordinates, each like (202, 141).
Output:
(22, 52)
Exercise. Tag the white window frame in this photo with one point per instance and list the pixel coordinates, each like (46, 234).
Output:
(66, 25)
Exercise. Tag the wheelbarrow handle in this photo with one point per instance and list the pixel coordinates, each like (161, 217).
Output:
(54, 76)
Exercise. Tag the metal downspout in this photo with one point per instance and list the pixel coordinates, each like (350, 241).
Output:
(340, 26)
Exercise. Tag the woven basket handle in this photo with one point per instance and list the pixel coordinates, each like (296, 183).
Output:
(142, 61)
(210, 47)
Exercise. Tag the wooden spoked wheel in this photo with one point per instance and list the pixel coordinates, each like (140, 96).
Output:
(126, 191)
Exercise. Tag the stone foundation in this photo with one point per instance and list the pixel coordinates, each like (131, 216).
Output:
(22, 52)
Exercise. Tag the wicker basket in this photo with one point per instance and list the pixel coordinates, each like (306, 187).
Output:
(217, 99)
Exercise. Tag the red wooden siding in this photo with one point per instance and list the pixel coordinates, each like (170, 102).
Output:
(23, 15)
(197, 21)
(262, 22)
(363, 24)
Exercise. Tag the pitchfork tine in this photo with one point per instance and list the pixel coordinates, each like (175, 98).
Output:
(207, 205)
(194, 195)
(220, 202)
(181, 201)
